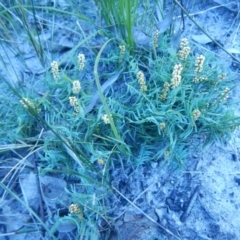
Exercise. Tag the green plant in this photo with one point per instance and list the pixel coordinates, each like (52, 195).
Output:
(125, 17)
(170, 98)
(36, 111)
(122, 15)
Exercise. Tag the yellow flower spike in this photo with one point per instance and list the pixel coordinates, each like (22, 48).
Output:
(162, 125)
(196, 114)
(165, 90)
(142, 81)
(55, 70)
(76, 87)
(184, 43)
(81, 61)
(143, 88)
(166, 154)
(75, 209)
(222, 76)
(106, 119)
(27, 103)
(199, 63)
(199, 79)
(74, 103)
(225, 94)
(100, 161)
(176, 76)
(155, 38)
(184, 49)
(122, 52)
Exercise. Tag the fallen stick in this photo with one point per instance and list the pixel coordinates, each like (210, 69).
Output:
(190, 205)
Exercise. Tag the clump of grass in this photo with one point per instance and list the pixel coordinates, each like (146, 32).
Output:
(169, 98)
(125, 17)
(53, 118)
(122, 15)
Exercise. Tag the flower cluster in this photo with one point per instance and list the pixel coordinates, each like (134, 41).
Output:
(176, 76)
(55, 70)
(203, 110)
(100, 161)
(155, 39)
(74, 103)
(81, 61)
(27, 103)
(199, 79)
(225, 94)
(184, 49)
(142, 81)
(199, 63)
(165, 90)
(122, 52)
(106, 119)
(222, 76)
(166, 154)
(162, 125)
(75, 209)
(76, 87)
(196, 114)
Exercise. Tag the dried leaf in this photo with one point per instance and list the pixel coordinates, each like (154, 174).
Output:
(176, 39)
(11, 67)
(34, 65)
(233, 6)
(65, 227)
(202, 39)
(233, 50)
(166, 23)
(106, 84)
(28, 183)
(52, 187)
(140, 38)
(11, 216)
